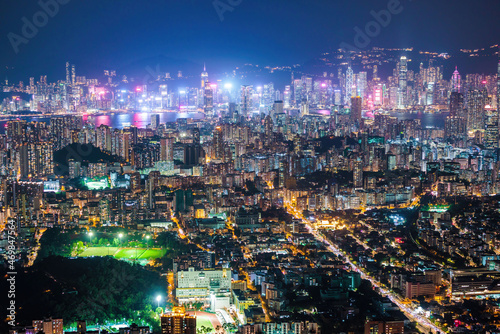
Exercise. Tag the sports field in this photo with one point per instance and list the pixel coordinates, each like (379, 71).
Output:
(124, 253)
(202, 320)
(99, 251)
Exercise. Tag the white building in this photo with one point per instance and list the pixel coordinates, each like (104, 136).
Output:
(199, 284)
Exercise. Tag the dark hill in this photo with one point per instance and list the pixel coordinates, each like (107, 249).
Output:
(84, 153)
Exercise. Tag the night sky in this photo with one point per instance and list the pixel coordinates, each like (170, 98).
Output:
(104, 34)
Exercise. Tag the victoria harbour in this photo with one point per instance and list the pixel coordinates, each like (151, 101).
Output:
(120, 120)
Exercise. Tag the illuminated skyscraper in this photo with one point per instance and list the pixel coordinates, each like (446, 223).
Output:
(287, 97)
(375, 73)
(378, 95)
(491, 129)
(277, 109)
(402, 82)
(455, 128)
(167, 149)
(491, 136)
(455, 81)
(268, 128)
(103, 134)
(73, 75)
(68, 75)
(349, 83)
(16, 130)
(155, 121)
(268, 96)
(358, 173)
(246, 100)
(498, 87)
(356, 106)
(218, 143)
(476, 102)
(36, 159)
(362, 84)
(204, 77)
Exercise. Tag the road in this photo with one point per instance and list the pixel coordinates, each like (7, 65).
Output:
(244, 272)
(32, 257)
(422, 322)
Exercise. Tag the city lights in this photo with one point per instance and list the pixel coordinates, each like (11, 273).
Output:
(301, 175)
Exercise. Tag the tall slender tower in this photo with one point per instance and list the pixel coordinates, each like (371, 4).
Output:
(204, 77)
(455, 81)
(218, 143)
(492, 126)
(73, 75)
(349, 82)
(402, 80)
(68, 75)
(498, 85)
(246, 100)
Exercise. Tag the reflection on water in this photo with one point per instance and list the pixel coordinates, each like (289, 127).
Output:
(142, 119)
(139, 119)
(427, 120)
(119, 120)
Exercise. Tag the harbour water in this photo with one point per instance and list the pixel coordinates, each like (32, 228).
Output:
(120, 120)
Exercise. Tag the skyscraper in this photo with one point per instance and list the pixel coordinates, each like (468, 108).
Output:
(358, 173)
(455, 128)
(268, 129)
(73, 75)
(208, 98)
(204, 77)
(218, 143)
(68, 75)
(491, 129)
(476, 101)
(349, 83)
(36, 159)
(375, 73)
(155, 121)
(402, 82)
(277, 109)
(362, 84)
(498, 87)
(456, 104)
(167, 149)
(455, 81)
(356, 103)
(491, 121)
(246, 100)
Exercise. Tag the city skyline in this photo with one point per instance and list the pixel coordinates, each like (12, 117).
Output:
(250, 167)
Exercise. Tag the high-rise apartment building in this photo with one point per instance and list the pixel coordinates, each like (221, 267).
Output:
(178, 322)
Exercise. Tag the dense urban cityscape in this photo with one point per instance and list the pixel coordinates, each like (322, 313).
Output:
(357, 193)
